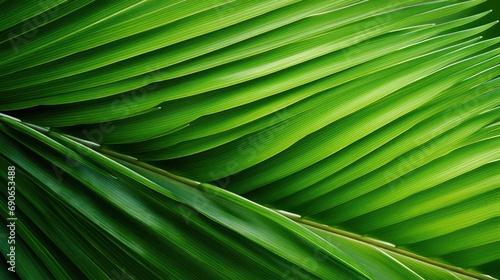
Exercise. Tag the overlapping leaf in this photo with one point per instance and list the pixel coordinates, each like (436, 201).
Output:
(363, 115)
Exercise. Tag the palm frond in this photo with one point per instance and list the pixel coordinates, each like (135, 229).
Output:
(371, 120)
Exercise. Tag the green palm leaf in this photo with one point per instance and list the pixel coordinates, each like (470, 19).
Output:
(375, 122)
